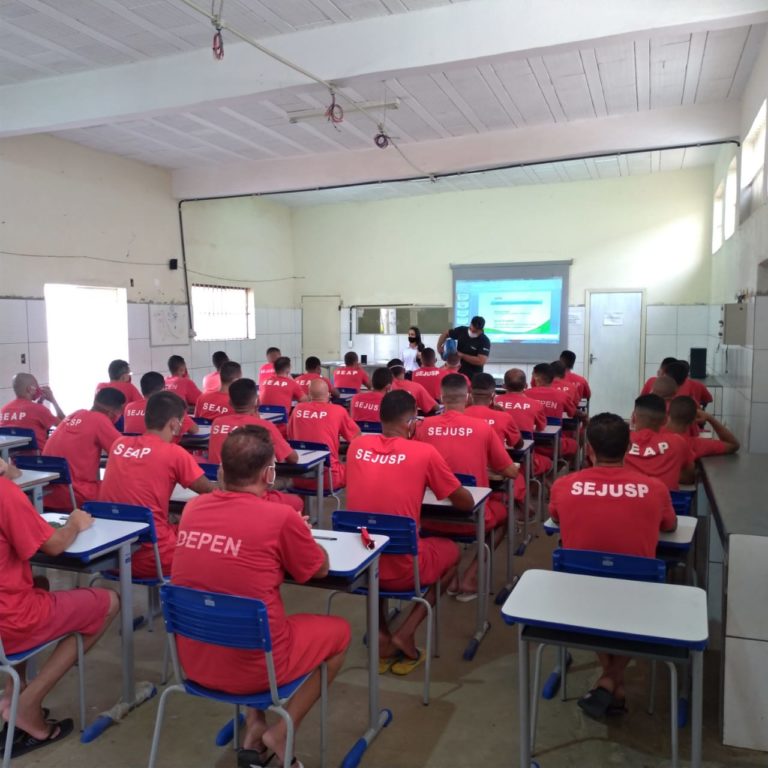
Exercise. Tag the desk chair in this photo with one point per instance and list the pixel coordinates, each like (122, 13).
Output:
(628, 567)
(556, 421)
(229, 622)
(21, 432)
(7, 664)
(202, 421)
(276, 409)
(403, 540)
(49, 464)
(369, 427)
(682, 501)
(211, 471)
(328, 489)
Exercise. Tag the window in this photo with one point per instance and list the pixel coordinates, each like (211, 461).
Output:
(731, 196)
(752, 164)
(717, 217)
(222, 313)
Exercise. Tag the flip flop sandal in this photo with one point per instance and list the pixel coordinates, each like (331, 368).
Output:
(253, 758)
(26, 743)
(4, 730)
(466, 597)
(387, 662)
(405, 666)
(617, 707)
(595, 704)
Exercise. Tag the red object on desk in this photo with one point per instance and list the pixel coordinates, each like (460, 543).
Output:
(368, 542)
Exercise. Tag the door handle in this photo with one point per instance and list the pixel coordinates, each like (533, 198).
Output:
(592, 358)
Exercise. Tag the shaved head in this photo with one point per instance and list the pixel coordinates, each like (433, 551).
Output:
(665, 387)
(22, 382)
(453, 389)
(514, 380)
(318, 391)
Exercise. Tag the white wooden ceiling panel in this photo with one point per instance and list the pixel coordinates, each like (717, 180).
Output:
(477, 101)
(523, 88)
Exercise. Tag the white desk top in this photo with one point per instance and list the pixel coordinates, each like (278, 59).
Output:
(347, 554)
(551, 430)
(630, 610)
(268, 416)
(681, 537)
(30, 478)
(12, 441)
(102, 537)
(479, 495)
(203, 430)
(523, 449)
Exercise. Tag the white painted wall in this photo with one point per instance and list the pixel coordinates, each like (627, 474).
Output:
(645, 231)
(89, 218)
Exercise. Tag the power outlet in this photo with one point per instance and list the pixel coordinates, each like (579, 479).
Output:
(23, 359)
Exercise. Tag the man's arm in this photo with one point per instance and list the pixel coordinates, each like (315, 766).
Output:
(473, 359)
(512, 470)
(322, 571)
(688, 474)
(723, 433)
(48, 395)
(62, 537)
(462, 499)
(203, 485)
(441, 341)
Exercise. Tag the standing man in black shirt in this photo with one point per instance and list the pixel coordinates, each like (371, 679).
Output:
(473, 346)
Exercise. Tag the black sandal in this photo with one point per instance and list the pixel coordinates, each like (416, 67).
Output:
(596, 703)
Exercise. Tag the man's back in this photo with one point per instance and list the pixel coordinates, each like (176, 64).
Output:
(581, 382)
(611, 509)
(429, 376)
(211, 405)
(365, 406)
(321, 423)
(279, 390)
(555, 401)
(658, 454)
(223, 426)
(184, 387)
(527, 412)
(28, 414)
(502, 422)
(350, 377)
(424, 401)
(126, 387)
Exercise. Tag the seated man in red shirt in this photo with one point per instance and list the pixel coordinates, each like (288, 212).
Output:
(281, 389)
(134, 422)
(119, 372)
(313, 370)
(429, 374)
(212, 380)
(424, 401)
(365, 406)
(30, 615)
(235, 542)
(180, 381)
(27, 410)
(654, 451)
(268, 369)
(388, 473)
(610, 508)
(80, 439)
(560, 381)
(646, 390)
(482, 407)
(351, 375)
(144, 470)
(470, 446)
(320, 421)
(683, 413)
(556, 403)
(695, 389)
(210, 405)
(453, 365)
(568, 359)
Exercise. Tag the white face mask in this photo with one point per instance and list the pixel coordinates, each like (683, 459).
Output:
(473, 335)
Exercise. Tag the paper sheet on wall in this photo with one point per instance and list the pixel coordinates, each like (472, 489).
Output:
(168, 324)
(613, 318)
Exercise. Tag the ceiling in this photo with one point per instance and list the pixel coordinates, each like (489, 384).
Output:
(135, 78)
(582, 169)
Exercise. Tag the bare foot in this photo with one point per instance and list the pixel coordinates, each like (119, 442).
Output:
(31, 721)
(274, 743)
(387, 647)
(256, 725)
(406, 645)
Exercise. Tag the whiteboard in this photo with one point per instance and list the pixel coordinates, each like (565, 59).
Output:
(168, 324)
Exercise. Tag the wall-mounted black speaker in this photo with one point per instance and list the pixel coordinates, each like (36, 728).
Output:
(698, 362)
(173, 264)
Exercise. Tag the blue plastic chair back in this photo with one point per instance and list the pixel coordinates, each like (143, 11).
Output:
(120, 423)
(468, 480)
(216, 619)
(278, 409)
(211, 471)
(127, 513)
(554, 421)
(682, 501)
(203, 422)
(347, 390)
(403, 539)
(22, 432)
(589, 563)
(526, 435)
(46, 464)
(369, 427)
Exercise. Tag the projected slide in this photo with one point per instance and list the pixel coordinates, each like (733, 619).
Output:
(514, 310)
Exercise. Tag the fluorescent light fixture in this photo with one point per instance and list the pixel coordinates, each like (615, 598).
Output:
(368, 106)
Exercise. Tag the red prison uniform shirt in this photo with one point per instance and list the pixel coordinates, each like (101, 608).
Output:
(265, 372)
(144, 470)
(211, 405)
(80, 439)
(351, 377)
(365, 406)
(184, 387)
(224, 425)
(429, 377)
(570, 389)
(323, 423)
(530, 417)
(389, 475)
(212, 382)
(502, 422)
(705, 446)
(658, 454)
(555, 403)
(240, 544)
(582, 383)
(28, 414)
(30, 616)
(611, 509)
(126, 387)
(307, 378)
(133, 420)
(424, 401)
(470, 446)
(280, 390)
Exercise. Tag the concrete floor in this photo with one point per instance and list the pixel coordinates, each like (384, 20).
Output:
(471, 721)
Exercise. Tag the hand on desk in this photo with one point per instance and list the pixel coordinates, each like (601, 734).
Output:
(80, 520)
(8, 470)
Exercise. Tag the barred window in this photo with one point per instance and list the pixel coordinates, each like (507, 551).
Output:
(222, 313)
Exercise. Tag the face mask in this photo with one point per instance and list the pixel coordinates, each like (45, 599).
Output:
(473, 335)
(411, 339)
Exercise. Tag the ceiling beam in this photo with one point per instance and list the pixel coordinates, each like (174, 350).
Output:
(431, 39)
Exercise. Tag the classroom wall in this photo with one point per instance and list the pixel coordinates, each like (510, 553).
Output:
(643, 231)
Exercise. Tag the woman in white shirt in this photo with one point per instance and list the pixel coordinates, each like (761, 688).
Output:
(412, 353)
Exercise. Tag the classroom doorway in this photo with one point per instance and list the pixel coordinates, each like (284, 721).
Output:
(614, 349)
(87, 329)
(320, 329)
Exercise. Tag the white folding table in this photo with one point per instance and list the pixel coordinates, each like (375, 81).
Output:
(32, 481)
(8, 442)
(667, 622)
